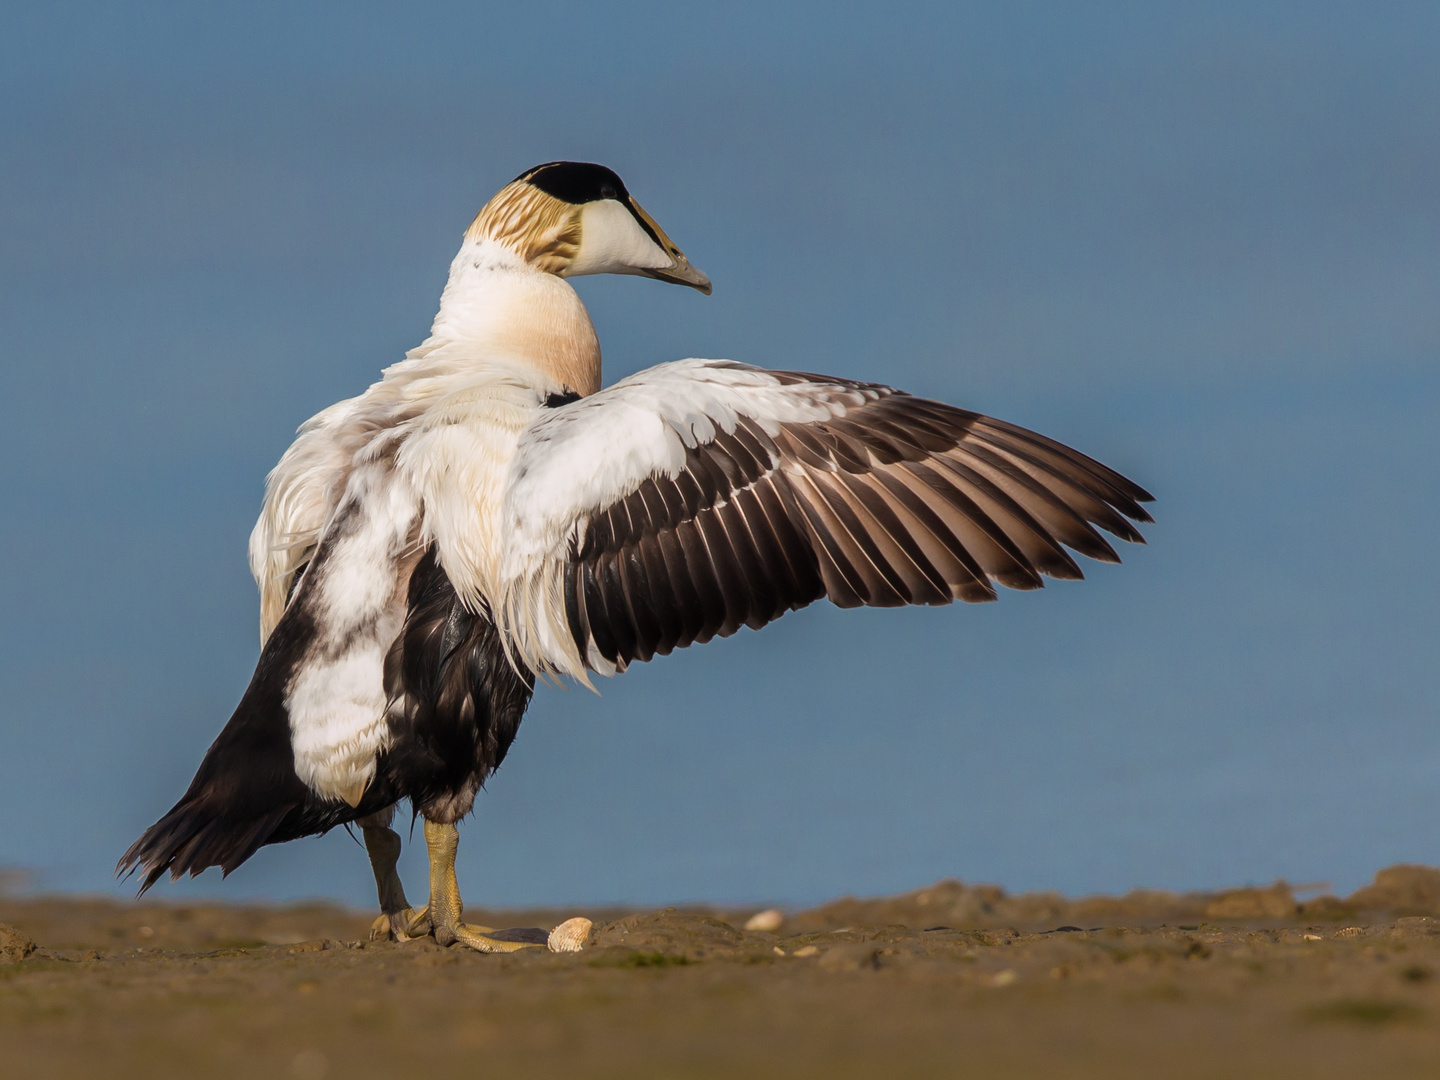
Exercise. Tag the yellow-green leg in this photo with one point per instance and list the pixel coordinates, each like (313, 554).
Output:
(442, 841)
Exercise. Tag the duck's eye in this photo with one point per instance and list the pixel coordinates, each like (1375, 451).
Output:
(607, 191)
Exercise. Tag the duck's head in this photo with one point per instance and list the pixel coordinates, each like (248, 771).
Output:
(570, 218)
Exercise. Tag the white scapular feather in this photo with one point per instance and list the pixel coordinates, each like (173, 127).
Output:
(456, 460)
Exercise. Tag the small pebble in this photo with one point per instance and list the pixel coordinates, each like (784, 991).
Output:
(1003, 978)
(767, 921)
(808, 950)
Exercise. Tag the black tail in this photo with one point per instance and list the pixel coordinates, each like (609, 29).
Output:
(194, 836)
(245, 793)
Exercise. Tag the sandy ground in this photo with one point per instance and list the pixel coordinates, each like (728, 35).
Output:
(952, 980)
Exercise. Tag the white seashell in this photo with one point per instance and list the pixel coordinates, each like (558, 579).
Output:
(570, 935)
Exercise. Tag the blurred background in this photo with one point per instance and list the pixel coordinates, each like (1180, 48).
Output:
(1202, 246)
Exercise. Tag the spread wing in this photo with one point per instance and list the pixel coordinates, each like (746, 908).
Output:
(701, 496)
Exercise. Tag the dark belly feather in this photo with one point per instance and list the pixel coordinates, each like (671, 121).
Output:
(455, 699)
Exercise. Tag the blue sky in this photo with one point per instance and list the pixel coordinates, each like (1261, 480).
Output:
(1203, 247)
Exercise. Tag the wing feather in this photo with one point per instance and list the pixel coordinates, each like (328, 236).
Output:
(733, 591)
(301, 493)
(702, 575)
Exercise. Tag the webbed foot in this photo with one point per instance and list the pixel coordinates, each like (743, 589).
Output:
(397, 921)
(446, 906)
(403, 925)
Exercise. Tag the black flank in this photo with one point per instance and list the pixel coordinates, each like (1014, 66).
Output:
(455, 699)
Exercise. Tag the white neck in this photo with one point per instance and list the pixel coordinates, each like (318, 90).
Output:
(497, 307)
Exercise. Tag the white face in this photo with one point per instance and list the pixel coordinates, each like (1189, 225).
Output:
(612, 242)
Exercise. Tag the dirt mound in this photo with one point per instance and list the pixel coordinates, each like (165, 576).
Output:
(953, 904)
(1401, 890)
(675, 933)
(1397, 891)
(14, 946)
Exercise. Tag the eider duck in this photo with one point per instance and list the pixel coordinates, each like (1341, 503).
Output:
(486, 515)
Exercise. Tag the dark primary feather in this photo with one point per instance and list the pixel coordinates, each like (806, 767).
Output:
(900, 501)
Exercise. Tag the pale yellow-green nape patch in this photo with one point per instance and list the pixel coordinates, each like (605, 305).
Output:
(541, 229)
